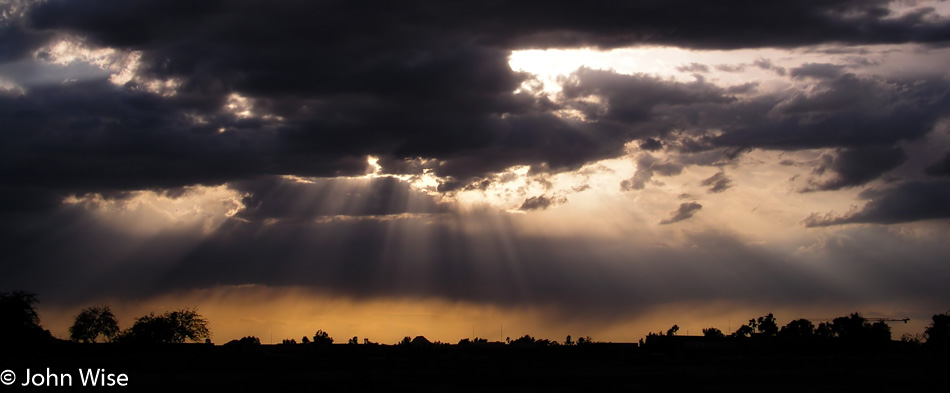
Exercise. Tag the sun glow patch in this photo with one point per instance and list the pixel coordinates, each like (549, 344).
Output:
(728, 68)
(374, 168)
(239, 106)
(67, 51)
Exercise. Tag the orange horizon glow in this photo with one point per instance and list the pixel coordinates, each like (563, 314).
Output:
(275, 314)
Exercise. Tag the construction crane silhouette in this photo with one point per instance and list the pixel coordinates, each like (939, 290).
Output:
(905, 320)
(887, 319)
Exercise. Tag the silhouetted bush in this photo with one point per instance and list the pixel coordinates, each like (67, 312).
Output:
(476, 340)
(249, 341)
(527, 340)
(322, 338)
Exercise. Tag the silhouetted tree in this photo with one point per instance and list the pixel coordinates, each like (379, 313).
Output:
(879, 331)
(713, 332)
(585, 340)
(289, 341)
(743, 331)
(249, 341)
(171, 327)
(914, 339)
(850, 327)
(526, 339)
(406, 341)
(354, 340)
(766, 325)
(19, 321)
(798, 328)
(855, 329)
(305, 340)
(938, 332)
(93, 322)
(753, 324)
(322, 337)
(542, 342)
(188, 324)
(568, 341)
(824, 330)
(672, 331)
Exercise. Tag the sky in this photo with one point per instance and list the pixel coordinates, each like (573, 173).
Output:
(455, 169)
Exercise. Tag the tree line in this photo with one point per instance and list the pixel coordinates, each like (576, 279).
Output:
(20, 322)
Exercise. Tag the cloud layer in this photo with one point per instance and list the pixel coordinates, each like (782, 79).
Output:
(149, 146)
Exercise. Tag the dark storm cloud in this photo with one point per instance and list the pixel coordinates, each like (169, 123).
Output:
(697, 24)
(17, 39)
(540, 202)
(941, 167)
(685, 211)
(846, 111)
(651, 144)
(864, 117)
(647, 166)
(744, 88)
(639, 98)
(766, 64)
(731, 67)
(854, 167)
(92, 136)
(906, 202)
(693, 67)
(817, 71)
(717, 183)
(403, 81)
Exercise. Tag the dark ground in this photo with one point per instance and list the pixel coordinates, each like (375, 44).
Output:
(483, 368)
